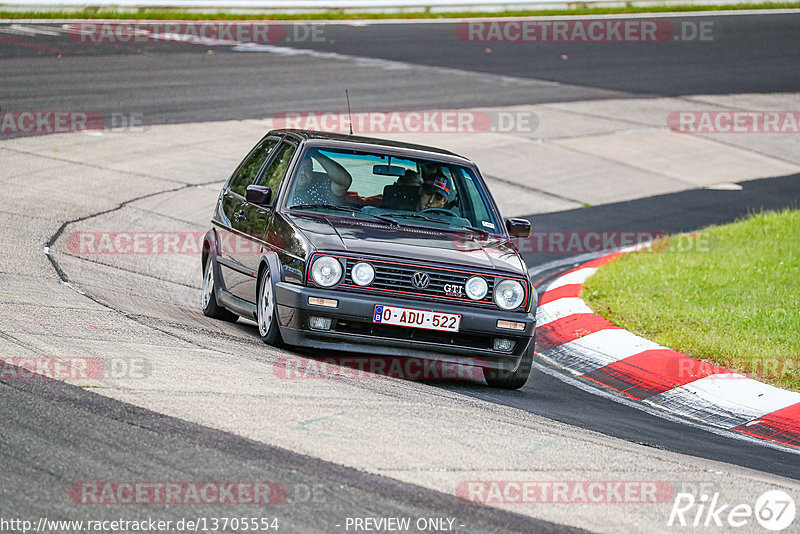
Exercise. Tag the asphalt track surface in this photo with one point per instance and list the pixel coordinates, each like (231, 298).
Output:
(180, 83)
(176, 82)
(55, 435)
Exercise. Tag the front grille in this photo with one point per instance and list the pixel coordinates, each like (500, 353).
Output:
(399, 278)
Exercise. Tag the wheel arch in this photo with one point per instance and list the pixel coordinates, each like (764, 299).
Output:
(269, 260)
(209, 245)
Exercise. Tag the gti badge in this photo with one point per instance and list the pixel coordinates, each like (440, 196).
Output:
(453, 290)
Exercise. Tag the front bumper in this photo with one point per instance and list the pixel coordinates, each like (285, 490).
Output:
(352, 328)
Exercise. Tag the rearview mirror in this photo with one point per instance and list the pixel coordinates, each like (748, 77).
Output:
(388, 170)
(518, 227)
(258, 194)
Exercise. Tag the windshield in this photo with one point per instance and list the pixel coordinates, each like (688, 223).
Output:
(397, 190)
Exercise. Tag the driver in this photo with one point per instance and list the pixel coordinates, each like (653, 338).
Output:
(434, 193)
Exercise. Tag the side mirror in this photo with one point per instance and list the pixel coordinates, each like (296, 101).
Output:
(518, 227)
(258, 194)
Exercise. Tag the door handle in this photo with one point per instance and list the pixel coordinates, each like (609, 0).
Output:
(239, 216)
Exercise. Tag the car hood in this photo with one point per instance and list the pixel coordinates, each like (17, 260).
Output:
(427, 245)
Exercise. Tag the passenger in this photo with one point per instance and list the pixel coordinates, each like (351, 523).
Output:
(434, 194)
(430, 171)
(409, 178)
(318, 187)
(404, 193)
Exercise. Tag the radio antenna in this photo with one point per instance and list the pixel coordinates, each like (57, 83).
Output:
(349, 113)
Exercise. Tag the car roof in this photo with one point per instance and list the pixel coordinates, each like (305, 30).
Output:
(311, 135)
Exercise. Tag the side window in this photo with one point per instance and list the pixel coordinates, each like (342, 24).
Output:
(277, 169)
(248, 170)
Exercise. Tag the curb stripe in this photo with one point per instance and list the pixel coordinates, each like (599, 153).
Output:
(589, 353)
(558, 309)
(652, 372)
(565, 291)
(602, 260)
(575, 276)
(782, 426)
(573, 337)
(570, 328)
(728, 400)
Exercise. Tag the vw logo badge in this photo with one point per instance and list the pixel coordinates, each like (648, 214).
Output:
(421, 280)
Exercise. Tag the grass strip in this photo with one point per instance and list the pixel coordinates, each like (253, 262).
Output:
(171, 14)
(728, 296)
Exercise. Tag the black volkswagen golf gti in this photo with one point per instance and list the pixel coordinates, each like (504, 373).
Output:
(365, 245)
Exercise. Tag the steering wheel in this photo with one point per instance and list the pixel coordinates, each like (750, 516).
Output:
(440, 211)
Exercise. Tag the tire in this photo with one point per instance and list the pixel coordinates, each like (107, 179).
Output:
(267, 312)
(208, 300)
(501, 379)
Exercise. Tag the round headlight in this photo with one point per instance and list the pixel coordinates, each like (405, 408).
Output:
(326, 271)
(362, 274)
(509, 294)
(476, 288)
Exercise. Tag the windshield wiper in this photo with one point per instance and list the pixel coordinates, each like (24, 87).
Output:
(385, 218)
(480, 231)
(416, 216)
(347, 209)
(325, 206)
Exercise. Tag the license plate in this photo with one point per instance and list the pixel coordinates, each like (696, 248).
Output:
(448, 322)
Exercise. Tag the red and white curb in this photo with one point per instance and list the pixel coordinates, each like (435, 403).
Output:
(571, 336)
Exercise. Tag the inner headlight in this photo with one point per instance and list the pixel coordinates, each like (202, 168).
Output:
(362, 274)
(509, 294)
(476, 288)
(326, 271)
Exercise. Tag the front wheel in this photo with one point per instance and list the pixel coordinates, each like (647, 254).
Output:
(208, 299)
(498, 378)
(267, 312)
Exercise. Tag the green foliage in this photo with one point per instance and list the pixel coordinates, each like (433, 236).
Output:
(168, 14)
